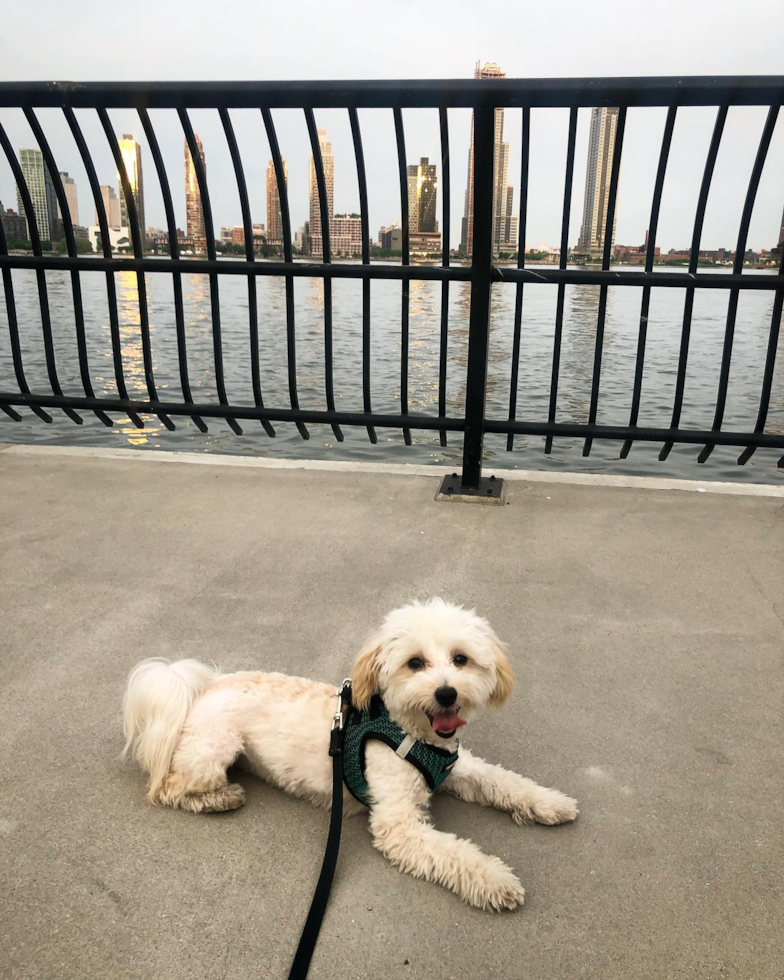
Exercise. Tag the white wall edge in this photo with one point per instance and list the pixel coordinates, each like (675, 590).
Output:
(397, 469)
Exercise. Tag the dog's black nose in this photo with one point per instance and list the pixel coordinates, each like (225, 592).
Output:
(446, 696)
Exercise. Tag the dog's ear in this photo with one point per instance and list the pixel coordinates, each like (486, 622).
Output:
(504, 675)
(364, 675)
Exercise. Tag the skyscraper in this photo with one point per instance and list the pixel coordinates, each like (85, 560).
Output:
(510, 221)
(193, 210)
(274, 218)
(329, 176)
(111, 205)
(504, 225)
(601, 145)
(422, 192)
(132, 158)
(39, 184)
(69, 185)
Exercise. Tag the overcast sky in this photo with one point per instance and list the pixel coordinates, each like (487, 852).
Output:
(91, 40)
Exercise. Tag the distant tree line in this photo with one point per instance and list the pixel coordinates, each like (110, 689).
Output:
(24, 244)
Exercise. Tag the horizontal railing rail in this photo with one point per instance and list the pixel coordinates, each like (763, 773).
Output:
(483, 97)
(403, 93)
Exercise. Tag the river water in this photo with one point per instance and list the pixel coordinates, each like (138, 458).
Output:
(579, 332)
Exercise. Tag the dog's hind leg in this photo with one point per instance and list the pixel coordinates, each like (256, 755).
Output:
(197, 778)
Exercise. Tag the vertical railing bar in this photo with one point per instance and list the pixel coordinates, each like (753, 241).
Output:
(174, 251)
(446, 187)
(683, 358)
(481, 273)
(653, 226)
(737, 269)
(43, 296)
(613, 192)
(767, 377)
(664, 155)
(446, 230)
(326, 255)
(137, 240)
(111, 292)
(562, 263)
(70, 241)
(642, 339)
(688, 304)
(406, 260)
(702, 201)
(356, 134)
(446, 191)
(247, 224)
(609, 224)
(568, 181)
(13, 332)
(14, 416)
(291, 337)
(209, 232)
(521, 238)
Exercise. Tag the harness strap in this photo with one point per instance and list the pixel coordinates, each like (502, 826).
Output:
(405, 746)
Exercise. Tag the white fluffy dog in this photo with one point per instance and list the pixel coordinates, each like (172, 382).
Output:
(435, 666)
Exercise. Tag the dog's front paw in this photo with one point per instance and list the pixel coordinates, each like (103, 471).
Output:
(548, 806)
(494, 886)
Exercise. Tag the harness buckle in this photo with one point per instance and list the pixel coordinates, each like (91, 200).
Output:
(339, 718)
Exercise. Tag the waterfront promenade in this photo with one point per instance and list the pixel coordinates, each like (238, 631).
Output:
(646, 628)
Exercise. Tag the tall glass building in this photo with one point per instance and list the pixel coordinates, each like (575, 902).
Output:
(274, 217)
(69, 186)
(601, 146)
(422, 193)
(39, 184)
(329, 176)
(193, 210)
(132, 158)
(504, 222)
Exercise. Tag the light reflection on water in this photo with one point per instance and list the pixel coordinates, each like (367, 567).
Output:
(579, 336)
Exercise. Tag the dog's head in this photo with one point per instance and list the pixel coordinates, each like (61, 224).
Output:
(435, 665)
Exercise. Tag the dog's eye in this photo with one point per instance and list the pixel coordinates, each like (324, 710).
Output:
(416, 663)
(460, 660)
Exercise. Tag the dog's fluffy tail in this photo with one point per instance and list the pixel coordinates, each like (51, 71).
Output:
(157, 700)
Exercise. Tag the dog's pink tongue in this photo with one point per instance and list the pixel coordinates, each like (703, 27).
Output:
(446, 721)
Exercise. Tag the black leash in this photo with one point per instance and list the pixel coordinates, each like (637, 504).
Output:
(310, 934)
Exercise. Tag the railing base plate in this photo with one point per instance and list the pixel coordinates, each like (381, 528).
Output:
(491, 490)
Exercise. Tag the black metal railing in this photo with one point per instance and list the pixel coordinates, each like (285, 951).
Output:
(483, 97)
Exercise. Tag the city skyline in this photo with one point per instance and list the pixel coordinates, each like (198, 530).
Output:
(345, 229)
(598, 155)
(577, 44)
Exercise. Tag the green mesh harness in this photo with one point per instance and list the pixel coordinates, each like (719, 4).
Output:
(435, 764)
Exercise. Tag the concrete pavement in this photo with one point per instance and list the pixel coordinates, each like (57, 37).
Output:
(647, 631)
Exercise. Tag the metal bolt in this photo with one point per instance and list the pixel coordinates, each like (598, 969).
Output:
(492, 477)
(449, 490)
(489, 493)
(454, 476)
